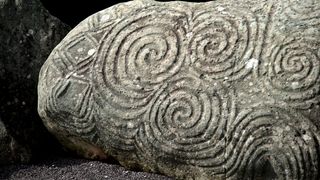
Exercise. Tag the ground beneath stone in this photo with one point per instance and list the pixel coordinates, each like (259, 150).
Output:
(73, 169)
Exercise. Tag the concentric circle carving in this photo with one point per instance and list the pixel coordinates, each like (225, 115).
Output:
(224, 91)
(136, 56)
(293, 71)
(186, 122)
(222, 42)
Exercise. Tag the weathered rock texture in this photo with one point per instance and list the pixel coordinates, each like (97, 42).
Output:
(10, 150)
(219, 90)
(28, 34)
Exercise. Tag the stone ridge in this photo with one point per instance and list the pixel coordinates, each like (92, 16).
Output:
(223, 90)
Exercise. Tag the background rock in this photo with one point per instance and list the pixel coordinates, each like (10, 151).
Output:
(10, 150)
(61, 10)
(28, 33)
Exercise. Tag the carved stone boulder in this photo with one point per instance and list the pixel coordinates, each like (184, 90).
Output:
(219, 90)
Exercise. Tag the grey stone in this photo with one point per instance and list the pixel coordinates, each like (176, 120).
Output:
(28, 34)
(218, 90)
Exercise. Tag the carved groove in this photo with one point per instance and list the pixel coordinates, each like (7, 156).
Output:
(293, 74)
(289, 141)
(223, 41)
(80, 116)
(137, 55)
(306, 12)
(186, 122)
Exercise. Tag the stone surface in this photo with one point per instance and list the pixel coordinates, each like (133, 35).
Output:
(28, 34)
(219, 90)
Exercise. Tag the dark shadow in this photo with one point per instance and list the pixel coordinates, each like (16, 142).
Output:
(265, 171)
(73, 12)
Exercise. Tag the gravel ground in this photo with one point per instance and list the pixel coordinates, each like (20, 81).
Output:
(73, 169)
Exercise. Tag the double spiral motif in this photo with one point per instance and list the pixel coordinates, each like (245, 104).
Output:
(156, 106)
(138, 54)
(186, 122)
(158, 88)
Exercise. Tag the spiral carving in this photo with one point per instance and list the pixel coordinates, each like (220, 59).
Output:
(222, 42)
(183, 88)
(139, 53)
(187, 122)
(264, 134)
(293, 74)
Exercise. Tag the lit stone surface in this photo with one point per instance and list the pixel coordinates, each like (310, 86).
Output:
(217, 90)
